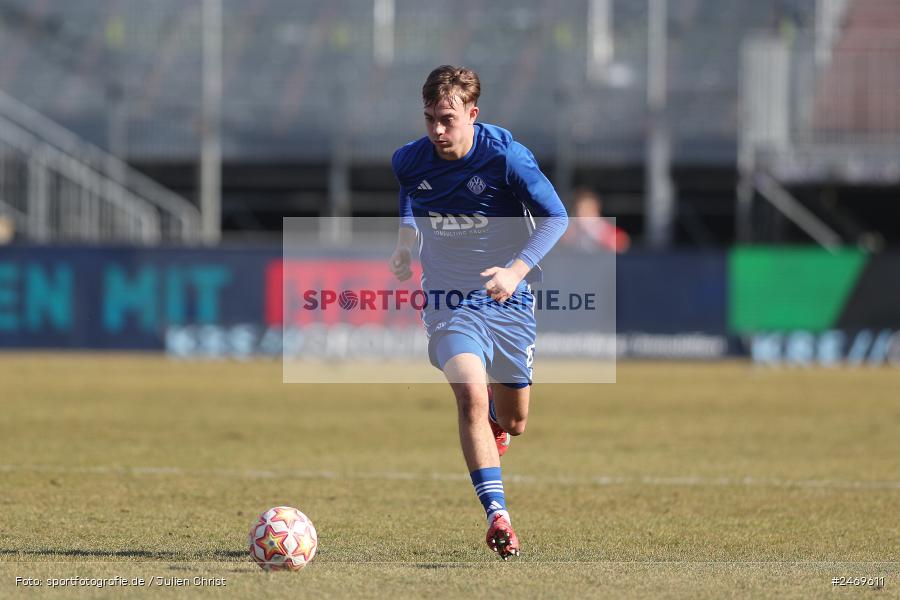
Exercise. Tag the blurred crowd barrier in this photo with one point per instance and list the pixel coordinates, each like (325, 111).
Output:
(774, 304)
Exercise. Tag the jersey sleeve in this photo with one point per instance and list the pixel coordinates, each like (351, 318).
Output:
(406, 214)
(536, 192)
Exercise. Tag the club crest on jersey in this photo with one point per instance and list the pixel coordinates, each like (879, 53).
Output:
(476, 185)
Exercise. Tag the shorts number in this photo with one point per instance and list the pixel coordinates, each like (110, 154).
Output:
(529, 356)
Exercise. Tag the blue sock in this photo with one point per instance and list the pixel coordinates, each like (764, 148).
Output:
(492, 413)
(488, 484)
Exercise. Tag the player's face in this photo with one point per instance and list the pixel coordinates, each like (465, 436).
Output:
(450, 128)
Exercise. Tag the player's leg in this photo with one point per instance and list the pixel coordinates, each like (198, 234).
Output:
(511, 416)
(467, 377)
(501, 438)
(510, 406)
(463, 361)
(513, 331)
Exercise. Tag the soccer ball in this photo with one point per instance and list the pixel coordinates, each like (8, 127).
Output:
(283, 539)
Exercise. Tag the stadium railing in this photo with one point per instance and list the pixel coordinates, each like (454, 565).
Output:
(57, 187)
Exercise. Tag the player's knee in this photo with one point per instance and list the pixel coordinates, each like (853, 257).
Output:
(472, 401)
(513, 426)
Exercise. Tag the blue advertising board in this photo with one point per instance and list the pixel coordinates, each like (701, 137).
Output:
(134, 298)
(53, 297)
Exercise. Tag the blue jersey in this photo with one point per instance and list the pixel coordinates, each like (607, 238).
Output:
(486, 209)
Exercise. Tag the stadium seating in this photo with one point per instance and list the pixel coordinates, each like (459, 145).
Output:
(858, 90)
(295, 71)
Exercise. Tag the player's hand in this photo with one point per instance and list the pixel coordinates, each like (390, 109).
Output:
(401, 260)
(502, 283)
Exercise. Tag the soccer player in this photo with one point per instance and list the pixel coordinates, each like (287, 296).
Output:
(470, 195)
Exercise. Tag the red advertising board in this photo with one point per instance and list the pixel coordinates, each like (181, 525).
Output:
(330, 291)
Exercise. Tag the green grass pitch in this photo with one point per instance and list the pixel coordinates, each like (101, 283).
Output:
(681, 480)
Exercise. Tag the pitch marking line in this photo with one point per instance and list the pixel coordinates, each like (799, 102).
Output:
(600, 480)
(324, 563)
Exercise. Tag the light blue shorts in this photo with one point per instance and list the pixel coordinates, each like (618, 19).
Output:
(502, 336)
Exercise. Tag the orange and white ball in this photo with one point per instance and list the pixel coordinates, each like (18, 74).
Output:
(283, 539)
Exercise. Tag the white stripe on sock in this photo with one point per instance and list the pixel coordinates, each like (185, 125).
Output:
(488, 484)
(492, 482)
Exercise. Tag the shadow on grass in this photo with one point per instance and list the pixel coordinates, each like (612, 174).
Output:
(152, 554)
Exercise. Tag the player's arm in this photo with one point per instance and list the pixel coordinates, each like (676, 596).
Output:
(401, 259)
(533, 188)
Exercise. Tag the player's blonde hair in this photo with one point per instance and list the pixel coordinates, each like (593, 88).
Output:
(451, 83)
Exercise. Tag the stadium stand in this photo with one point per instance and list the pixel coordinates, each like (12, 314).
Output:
(294, 71)
(857, 94)
(302, 88)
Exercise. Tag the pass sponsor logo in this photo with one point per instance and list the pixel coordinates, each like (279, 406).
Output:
(451, 222)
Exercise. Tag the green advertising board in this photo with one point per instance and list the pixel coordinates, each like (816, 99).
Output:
(784, 288)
